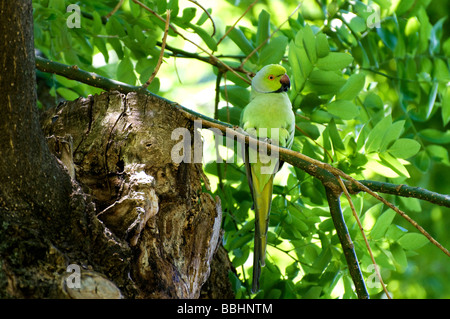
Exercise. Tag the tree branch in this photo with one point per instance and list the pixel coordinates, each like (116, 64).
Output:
(402, 190)
(326, 173)
(346, 242)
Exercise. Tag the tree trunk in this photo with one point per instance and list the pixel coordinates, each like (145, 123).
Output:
(114, 216)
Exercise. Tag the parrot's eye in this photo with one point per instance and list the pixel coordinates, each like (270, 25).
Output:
(271, 77)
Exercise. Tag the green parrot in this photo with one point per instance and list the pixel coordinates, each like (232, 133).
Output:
(268, 117)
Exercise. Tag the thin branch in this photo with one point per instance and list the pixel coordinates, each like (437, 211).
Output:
(234, 25)
(307, 135)
(346, 243)
(270, 36)
(395, 208)
(402, 190)
(355, 215)
(222, 64)
(161, 54)
(117, 7)
(208, 14)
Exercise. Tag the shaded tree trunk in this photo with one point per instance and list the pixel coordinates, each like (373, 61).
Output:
(112, 205)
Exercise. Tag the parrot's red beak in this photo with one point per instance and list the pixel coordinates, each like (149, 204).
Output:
(285, 83)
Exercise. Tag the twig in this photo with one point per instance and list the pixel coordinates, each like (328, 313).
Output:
(267, 39)
(119, 4)
(208, 14)
(234, 25)
(355, 215)
(226, 66)
(161, 54)
(395, 208)
(324, 149)
(402, 190)
(346, 242)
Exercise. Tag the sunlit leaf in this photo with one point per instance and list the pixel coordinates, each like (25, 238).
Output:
(404, 148)
(412, 241)
(334, 61)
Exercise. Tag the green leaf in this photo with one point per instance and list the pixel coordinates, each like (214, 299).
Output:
(431, 100)
(436, 35)
(372, 100)
(263, 30)
(394, 232)
(310, 191)
(125, 72)
(352, 87)
(298, 224)
(57, 5)
(309, 42)
(382, 224)
(346, 110)
(412, 241)
(389, 39)
(240, 241)
(172, 5)
(412, 26)
(117, 46)
(322, 47)
(310, 129)
(335, 137)
(67, 94)
(273, 52)
(399, 255)
(203, 18)
(375, 137)
(294, 61)
(188, 15)
(208, 39)
(393, 163)
(435, 136)
(240, 256)
(438, 153)
(97, 23)
(334, 61)
(325, 82)
(446, 106)
(422, 161)
(299, 61)
(236, 95)
(392, 134)
(114, 27)
(404, 148)
(322, 261)
(100, 43)
(358, 24)
(238, 37)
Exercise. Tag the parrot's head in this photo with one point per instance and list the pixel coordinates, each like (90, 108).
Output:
(271, 79)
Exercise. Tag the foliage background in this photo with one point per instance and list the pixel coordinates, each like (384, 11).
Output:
(377, 99)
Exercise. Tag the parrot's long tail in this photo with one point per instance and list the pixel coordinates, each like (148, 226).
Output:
(262, 203)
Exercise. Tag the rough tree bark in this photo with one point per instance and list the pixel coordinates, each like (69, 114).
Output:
(114, 204)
